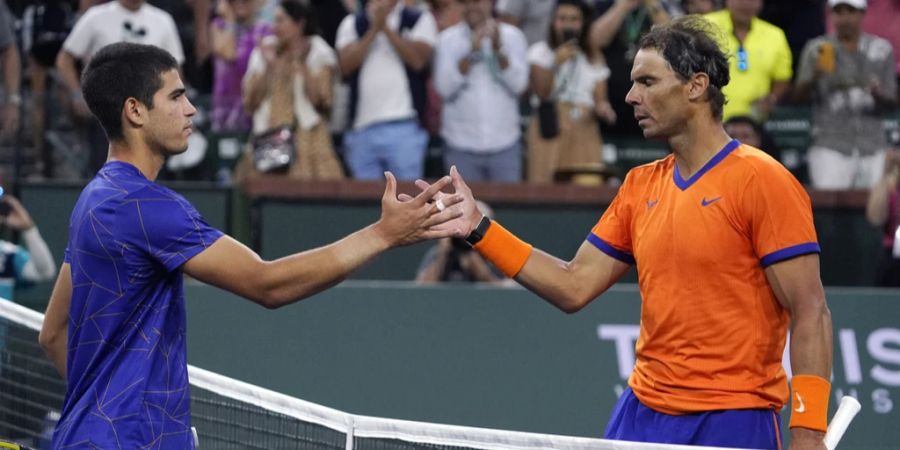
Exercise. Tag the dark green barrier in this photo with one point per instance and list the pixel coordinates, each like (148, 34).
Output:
(496, 357)
(844, 235)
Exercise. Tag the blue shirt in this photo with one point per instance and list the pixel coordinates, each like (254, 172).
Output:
(127, 365)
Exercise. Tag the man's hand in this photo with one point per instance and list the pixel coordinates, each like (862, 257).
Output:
(806, 439)
(18, 218)
(492, 31)
(565, 52)
(766, 104)
(469, 216)
(10, 119)
(407, 220)
(605, 112)
(378, 11)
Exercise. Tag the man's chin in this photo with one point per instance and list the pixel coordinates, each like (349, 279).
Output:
(178, 150)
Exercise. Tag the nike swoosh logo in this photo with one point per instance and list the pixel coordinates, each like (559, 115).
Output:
(706, 202)
(652, 203)
(801, 407)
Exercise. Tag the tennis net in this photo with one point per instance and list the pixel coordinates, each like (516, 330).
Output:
(230, 414)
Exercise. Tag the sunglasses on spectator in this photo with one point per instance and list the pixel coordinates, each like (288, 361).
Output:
(742, 63)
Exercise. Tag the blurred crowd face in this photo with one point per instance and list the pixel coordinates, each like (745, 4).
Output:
(742, 11)
(476, 12)
(285, 28)
(699, 6)
(745, 133)
(567, 22)
(847, 20)
(244, 10)
(131, 4)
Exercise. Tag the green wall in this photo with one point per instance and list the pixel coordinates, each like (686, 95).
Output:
(277, 228)
(496, 357)
(849, 244)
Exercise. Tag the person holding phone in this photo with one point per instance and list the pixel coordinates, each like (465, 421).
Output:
(571, 86)
(29, 263)
(480, 71)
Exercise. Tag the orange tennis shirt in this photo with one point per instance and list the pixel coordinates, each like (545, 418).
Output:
(712, 332)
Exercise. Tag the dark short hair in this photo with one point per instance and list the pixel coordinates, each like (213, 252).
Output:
(303, 11)
(746, 120)
(121, 71)
(689, 47)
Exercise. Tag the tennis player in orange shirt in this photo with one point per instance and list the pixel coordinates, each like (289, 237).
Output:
(727, 258)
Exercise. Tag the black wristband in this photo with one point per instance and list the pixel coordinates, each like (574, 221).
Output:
(480, 230)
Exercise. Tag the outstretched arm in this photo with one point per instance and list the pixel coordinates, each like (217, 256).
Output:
(571, 285)
(234, 267)
(568, 285)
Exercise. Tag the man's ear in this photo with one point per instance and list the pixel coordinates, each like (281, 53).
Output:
(134, 113)
(697, 85)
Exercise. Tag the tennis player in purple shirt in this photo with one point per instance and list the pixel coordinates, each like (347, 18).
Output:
(115, 325)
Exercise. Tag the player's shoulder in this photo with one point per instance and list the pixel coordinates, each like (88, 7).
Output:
(647, 171)
(721, 15)
(766, 28)
(754, 163)
(101, 11)
(877, 48)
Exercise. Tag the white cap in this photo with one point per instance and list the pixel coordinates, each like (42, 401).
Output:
(858, 4)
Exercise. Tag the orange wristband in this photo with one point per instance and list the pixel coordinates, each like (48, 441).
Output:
(809, 396)
(504, 249)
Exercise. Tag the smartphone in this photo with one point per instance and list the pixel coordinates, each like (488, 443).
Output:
(569, 34)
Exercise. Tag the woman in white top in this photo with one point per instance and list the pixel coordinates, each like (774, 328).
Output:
(564, 74)
(289, 82)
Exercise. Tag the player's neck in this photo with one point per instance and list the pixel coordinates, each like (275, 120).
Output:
(697, 145)
(147, 161)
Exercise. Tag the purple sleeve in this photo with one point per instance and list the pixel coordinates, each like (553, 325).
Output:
(168, 229)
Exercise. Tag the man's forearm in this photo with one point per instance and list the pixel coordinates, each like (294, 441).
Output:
(353, 55)
(877, 204)
(408, 51)
(12, 68)
(811, 342)
(56, 352)
(604, 29)
(301, 275)
(65, 64)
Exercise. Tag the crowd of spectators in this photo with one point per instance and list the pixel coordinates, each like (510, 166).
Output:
(507, 90)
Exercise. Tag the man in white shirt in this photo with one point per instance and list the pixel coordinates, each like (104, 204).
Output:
(481, 69)
(384, 53)
(101, 25)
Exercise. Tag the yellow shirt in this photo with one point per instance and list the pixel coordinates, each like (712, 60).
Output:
(768, 60)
